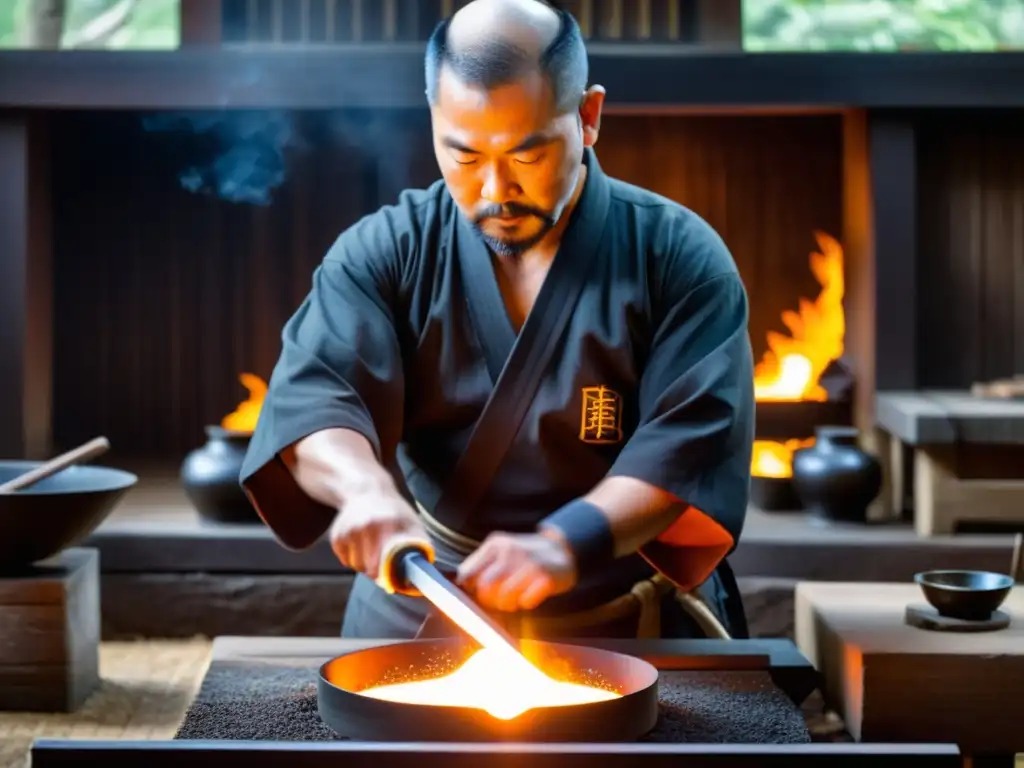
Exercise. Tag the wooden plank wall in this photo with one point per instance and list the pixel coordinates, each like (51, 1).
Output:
(971, 260)
(164, 296)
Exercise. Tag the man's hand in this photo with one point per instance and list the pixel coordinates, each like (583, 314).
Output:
(518, 571)
(366, 523)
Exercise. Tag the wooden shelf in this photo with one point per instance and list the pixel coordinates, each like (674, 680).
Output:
(648, 76)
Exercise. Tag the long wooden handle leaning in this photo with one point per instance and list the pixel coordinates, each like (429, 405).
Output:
(84, 452)
(1017, 564)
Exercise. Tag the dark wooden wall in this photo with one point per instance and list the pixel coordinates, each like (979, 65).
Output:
(164, 296)
(971, 260)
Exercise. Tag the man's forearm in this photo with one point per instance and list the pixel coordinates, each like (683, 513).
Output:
(334, 465)
(637, 512)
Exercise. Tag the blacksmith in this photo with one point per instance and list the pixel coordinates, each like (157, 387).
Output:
(544, 370)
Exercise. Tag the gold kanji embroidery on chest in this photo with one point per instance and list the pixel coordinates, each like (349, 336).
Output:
(601, 416)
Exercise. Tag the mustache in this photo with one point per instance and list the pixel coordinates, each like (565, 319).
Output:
(508, 210)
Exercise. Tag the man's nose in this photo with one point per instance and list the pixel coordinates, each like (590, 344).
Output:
(498, 186)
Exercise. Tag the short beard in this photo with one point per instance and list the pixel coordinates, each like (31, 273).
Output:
(513, 249)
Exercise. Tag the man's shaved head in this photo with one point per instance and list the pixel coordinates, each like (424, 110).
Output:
(490, 43)
(512, 116)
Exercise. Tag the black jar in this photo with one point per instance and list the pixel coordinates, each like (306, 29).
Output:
(210, 475)
(834, 478)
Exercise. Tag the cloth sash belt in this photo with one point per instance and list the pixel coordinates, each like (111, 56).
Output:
(642, 601)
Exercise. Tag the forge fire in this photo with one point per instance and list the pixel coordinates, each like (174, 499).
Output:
(792, 368)
(243, 419)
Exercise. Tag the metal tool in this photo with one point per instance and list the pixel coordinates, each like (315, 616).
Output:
(407, 567)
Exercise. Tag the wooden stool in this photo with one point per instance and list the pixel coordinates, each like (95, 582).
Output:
(50, 634)
(892, 682)
(968, 457)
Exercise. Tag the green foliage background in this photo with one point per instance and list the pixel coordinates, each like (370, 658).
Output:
(883, 25)
(154, 25)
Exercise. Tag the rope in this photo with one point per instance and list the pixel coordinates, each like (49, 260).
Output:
(645, 595)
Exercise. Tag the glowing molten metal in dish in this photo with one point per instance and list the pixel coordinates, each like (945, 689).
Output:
(495, 681)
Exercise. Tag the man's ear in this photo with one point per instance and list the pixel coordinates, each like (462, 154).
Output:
(590, 114)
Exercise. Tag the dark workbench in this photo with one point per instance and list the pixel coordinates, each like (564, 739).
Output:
(789, 671)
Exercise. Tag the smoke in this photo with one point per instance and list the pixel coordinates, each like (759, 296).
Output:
(243, 153)
(243, 157)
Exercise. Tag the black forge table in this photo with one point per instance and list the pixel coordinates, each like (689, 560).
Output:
(721, 703)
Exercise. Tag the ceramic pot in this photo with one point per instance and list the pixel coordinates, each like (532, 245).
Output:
(210, 474)
(834, 478)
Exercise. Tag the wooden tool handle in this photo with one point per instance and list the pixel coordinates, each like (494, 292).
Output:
(1017, 564)
(84, 452)
(393, 550)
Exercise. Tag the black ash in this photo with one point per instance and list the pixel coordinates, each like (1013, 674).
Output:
(255, 702)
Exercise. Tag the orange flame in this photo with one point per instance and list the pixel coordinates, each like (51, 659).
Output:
(792, 368)
(245, 416)
(772, 459)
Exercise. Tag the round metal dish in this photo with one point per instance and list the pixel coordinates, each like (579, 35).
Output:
(363, 718)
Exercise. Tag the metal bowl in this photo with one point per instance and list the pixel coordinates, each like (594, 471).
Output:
(364, 718)
(968, 595)
(55, 513)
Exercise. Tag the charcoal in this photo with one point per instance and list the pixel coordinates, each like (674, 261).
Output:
(725, 708)
(256, 702)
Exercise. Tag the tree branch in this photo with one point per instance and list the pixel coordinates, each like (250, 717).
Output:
(102, 28)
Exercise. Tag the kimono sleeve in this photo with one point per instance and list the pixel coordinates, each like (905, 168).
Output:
(340, 366)
(696, 429)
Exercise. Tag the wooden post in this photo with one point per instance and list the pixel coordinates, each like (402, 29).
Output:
(26, 290)
(200, 23)
(880, 245)
(892, 146)
(720, 24)
(859, 252)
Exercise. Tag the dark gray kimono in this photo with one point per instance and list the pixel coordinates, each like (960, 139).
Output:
(635, 361)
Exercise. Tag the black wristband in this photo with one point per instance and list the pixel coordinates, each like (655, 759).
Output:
(587, 532)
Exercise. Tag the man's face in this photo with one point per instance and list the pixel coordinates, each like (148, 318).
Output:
(510, 161)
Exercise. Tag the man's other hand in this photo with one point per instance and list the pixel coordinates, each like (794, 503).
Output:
(518, 571)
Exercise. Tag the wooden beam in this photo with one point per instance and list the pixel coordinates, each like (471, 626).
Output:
(637, 75)
(26, 355)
